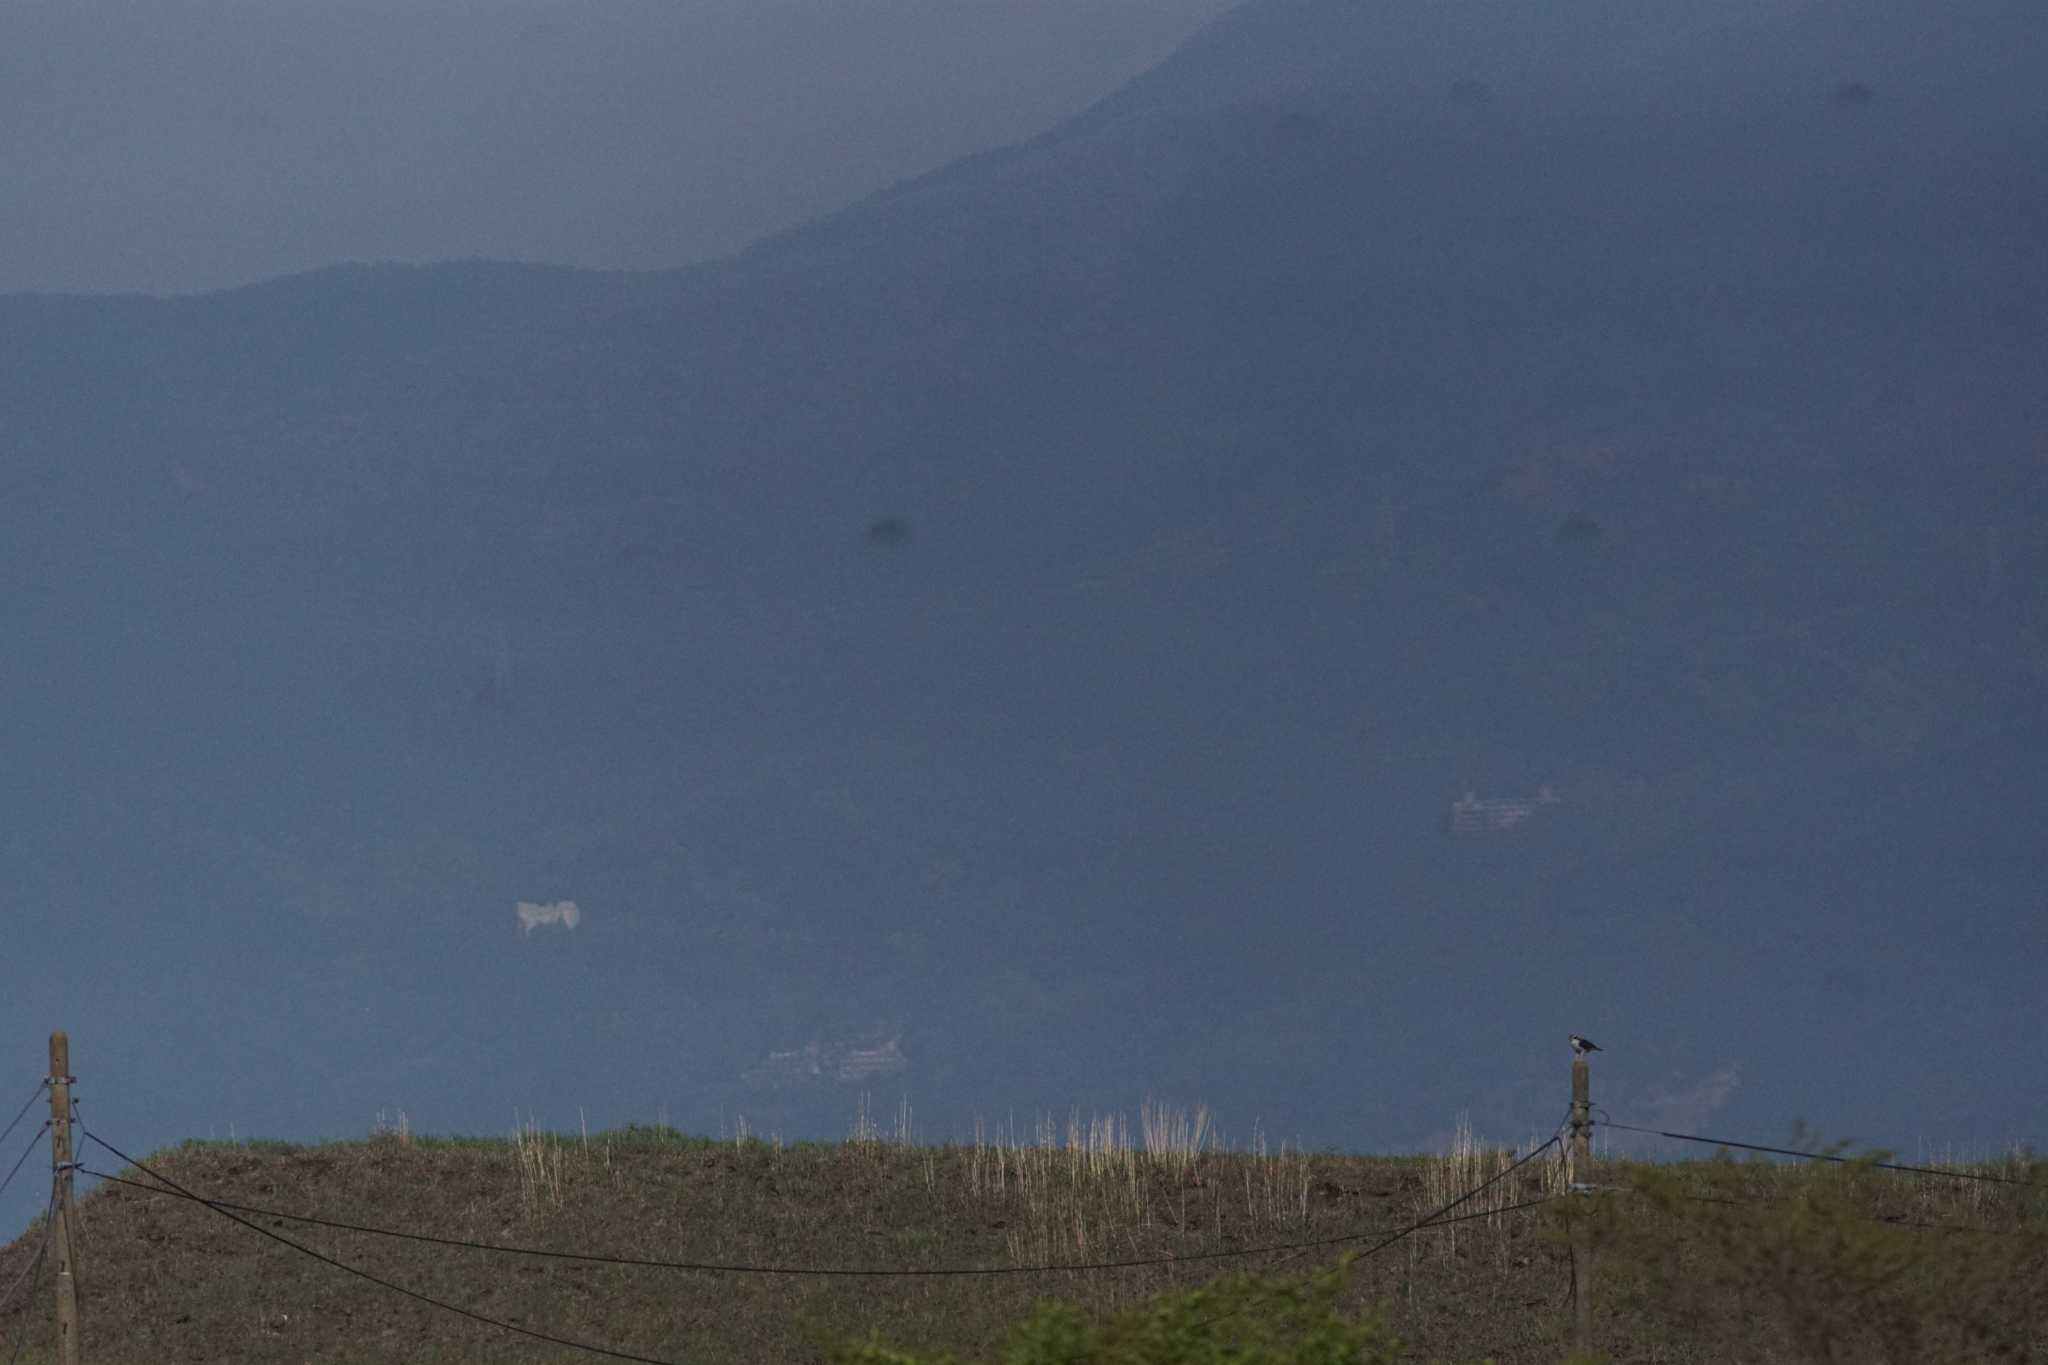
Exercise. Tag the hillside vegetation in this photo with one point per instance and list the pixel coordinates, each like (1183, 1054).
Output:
(1695, 1262)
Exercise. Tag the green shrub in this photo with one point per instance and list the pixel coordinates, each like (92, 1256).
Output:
(1812, 1265)
(1241, 1320)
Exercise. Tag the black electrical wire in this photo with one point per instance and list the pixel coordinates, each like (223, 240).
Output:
(1429, 1226)
(1466, 1197)
(35, 1265)
(15, 1169)
(1916, 1224)
(34, 1260)
(22, 1112)
(1474, 1193)
(1432, 1220)
(173, 1188)
(382, 1283)
(728, 1268)
(1829, 1156)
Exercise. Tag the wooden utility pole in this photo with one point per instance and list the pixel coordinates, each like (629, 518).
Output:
(1581, 1232)
(63, 1243)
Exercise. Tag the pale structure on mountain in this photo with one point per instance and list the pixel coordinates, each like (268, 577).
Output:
(1493, 815)
(532, 916)
(828, 1062)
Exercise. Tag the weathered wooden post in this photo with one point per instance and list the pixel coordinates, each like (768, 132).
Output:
(62, 1226)
(1581, 1230)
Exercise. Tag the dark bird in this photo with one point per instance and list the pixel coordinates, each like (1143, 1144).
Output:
(1582, 1046)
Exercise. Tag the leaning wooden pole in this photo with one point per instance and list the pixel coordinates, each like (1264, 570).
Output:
(63, 1246)
(1581, 1231)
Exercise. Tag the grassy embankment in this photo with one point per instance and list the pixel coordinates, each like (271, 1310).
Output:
(1699, 1262)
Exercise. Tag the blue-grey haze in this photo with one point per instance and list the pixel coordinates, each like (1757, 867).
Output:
(207, 143)
(1039, 622)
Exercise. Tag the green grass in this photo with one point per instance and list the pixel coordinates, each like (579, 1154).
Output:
(1802, 1253)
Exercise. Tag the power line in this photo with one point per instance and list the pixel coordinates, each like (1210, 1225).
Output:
(1437, 1218)
(1916, 1224)
(16, 1168)
(20, 1113)
(1466, 1197)
(33, 1260)
(729, 1268)
(35, 1265)
(732, 1268)
(1429, 1226)
(174, 1188)
(1829, 1156)
(1431, 1221)
(379, 1281)
(1489, 1213)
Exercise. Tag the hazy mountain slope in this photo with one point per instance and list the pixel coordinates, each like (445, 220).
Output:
(1369, 405)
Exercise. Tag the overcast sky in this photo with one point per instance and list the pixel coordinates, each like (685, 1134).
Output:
(181, 145)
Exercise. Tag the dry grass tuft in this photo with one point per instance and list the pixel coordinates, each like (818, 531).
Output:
(392, 1127)
(538, 1159)
(1093, 1185)
(166, 1279)
(1470, 1164)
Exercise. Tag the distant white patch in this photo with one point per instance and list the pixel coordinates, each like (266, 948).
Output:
(817, 1062)
(534, 916)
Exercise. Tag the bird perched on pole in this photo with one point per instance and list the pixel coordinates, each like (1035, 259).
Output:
(1582, 1046)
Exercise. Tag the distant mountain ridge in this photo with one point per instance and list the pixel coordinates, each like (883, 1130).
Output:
(1372, 404)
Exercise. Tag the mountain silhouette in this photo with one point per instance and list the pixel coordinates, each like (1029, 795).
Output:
(1373, 405)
